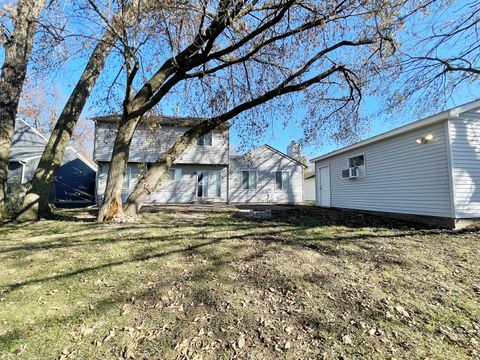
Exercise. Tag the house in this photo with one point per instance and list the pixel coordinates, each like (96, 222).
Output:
(428, 171)
(309, 187)
(205, 172)
(74, 181)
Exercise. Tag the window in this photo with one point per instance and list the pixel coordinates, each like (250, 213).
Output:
(281, 180)
(249, 179)
(127, 180)
(356, 161)
(174, 174)
(205, 140)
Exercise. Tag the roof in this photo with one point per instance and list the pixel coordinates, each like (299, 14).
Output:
(164, 120)
(433, 119)
(309, 176)
(32, 147)
(271, 149)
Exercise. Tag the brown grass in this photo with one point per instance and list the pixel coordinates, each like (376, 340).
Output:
(188, 283)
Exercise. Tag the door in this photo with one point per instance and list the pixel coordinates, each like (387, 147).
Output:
(208, 184)
(323, 177)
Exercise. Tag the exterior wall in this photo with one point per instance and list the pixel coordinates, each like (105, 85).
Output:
(169, 191)
(309, 189)
(266, 162)
(147, 145)
(465, 153)
(401, 176)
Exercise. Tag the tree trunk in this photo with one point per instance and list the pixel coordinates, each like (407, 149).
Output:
(36, 202)
(112, 202)
(151, 178)
(18, 49)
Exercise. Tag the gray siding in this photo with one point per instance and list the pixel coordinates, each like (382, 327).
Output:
(147, 145)
(465, 149)
(266, 162)
(169, 191)
(401, 176)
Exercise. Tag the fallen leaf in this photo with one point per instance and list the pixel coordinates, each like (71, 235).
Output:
(110, 335)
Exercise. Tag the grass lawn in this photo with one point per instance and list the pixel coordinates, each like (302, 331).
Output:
(189, 283)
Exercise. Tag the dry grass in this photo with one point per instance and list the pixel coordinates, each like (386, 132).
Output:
(186, 283)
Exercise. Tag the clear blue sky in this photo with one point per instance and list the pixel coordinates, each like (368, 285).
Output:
(277, 136)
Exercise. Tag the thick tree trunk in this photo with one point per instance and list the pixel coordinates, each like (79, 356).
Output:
(36, 202)
(18, 49)
(152, 177)
(112, 202)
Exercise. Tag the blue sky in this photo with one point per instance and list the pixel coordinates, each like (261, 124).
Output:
(277, 136)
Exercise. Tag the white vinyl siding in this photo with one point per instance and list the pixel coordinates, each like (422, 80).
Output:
(169, 191)
(403, 176)
(465, 150)
(147, 145)
(266, 163)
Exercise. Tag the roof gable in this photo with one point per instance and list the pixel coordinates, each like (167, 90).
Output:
(275, 151)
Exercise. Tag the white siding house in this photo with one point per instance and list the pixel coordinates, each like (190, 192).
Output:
(204, 172)
(265, 175)
(428, 170)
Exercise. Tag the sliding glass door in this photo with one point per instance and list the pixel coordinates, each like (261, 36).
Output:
(208, 184)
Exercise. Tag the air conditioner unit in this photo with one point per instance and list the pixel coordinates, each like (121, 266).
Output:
(350, 173)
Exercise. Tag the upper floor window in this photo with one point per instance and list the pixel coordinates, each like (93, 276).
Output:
(281, 180)
(205, 140)
(356, 161)
(249, 179)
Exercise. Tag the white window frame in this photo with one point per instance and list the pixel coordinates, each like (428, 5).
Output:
(362, 168)
(288, 179)
(256, 179)
(210, 133)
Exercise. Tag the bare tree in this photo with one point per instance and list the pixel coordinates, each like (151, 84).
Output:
(17, 32)
(36, 202)
(441, 57)
(245, 55)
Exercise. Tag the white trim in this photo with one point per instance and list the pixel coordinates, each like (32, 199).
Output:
(24, 161)
(318, 175)
(33, 129)
(46, 141)
(451, 174)
(444, 115)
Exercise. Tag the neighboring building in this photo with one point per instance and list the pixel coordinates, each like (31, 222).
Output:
(309, 187)
(74, 181)
(428, 170)
(204, 172)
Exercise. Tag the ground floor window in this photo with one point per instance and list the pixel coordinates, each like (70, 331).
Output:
(208, 184)
(249, 179)
(281, 180)
(174, 174)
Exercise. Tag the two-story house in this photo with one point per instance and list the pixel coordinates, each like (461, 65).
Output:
(205, 172)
